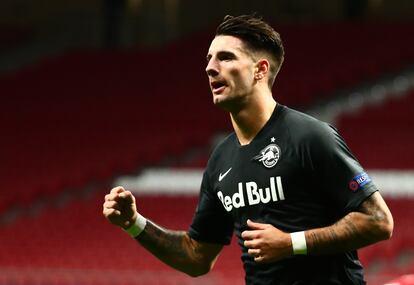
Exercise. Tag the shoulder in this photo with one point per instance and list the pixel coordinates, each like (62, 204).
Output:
(304, 128)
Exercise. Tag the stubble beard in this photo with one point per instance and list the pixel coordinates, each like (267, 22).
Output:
(231, 104)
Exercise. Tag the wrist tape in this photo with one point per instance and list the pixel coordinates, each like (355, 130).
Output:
(299, 243)
(137, 227)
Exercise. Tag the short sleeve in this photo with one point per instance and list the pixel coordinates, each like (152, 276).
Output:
(211, 223)
(336, 170)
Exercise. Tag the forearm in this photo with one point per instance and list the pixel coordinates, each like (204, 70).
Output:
(174, 248)
(357, 229)
(349, 233)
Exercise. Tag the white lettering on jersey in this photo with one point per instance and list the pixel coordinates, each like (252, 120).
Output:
(237, 200)
(254, 194)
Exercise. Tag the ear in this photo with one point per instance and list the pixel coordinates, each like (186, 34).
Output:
(262, 69)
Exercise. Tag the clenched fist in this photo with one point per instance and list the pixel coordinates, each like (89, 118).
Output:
(119, 207)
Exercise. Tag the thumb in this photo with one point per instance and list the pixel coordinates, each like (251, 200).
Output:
(256, 226)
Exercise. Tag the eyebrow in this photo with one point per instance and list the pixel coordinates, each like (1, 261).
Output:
(221, 53)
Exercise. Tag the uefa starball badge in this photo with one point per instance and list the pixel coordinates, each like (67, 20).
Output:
(359, 181)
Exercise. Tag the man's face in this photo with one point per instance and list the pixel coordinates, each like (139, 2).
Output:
(230, 69)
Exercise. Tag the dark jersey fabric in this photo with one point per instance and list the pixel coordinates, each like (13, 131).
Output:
(296, 174)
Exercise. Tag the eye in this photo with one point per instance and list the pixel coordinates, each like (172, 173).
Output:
(226, 56)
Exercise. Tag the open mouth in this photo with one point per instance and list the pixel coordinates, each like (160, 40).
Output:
(217, 86)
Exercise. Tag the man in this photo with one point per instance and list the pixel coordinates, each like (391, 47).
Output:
(286, 183)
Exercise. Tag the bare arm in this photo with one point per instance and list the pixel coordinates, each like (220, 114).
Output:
(178, 250)
(371, 223)
(174, 248)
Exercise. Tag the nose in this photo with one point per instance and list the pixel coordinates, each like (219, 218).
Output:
(211, 68)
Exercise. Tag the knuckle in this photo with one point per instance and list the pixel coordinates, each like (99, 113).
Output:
(110, 197)
(117, 189)
(107, 213)
(112, 212)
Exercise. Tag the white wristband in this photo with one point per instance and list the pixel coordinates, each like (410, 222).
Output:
(137, 228)
(299, 243)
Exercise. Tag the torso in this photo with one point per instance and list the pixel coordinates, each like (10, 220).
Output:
(273, 180)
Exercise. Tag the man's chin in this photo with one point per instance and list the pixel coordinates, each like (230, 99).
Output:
(219, 100)
(223, 103)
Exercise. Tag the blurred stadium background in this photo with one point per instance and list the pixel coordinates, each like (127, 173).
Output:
(102, 92)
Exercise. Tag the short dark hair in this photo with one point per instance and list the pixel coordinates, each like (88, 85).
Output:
(258, 36)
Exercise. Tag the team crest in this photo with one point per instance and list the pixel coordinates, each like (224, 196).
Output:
(269, 156)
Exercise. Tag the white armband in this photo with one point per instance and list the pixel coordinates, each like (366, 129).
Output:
(137, 228)
(299, 243)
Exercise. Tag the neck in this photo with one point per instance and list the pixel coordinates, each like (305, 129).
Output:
(248, 121)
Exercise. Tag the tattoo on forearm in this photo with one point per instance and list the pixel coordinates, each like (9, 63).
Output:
(332, 234)
(315, 241)
(370, 207)
(323, 239)
(164, 243)
(355, 230)
(350, 229)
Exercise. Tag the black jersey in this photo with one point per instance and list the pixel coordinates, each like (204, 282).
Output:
(296, 174)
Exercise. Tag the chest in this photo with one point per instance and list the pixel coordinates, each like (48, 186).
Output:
(266, 174)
